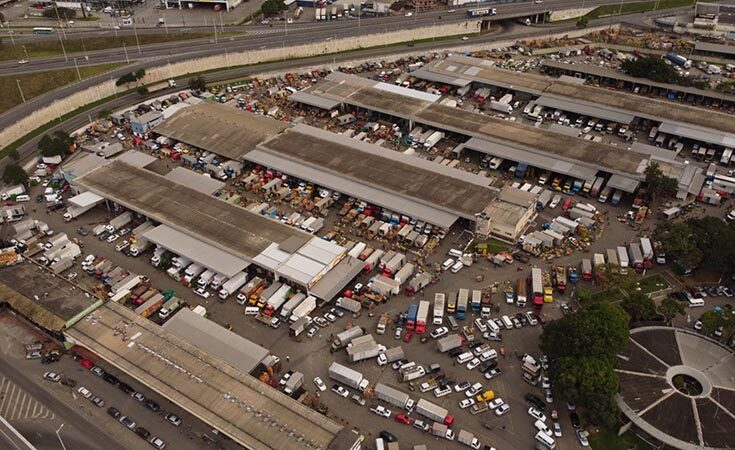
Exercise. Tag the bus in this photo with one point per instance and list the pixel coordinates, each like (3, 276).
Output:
(480, 12)
(43, 30)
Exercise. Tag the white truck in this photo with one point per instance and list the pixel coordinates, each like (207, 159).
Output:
(348, 304)
(290, 305)
(448, 343)
(193, 271)
(468, 439)
(438, 317)
(363, 351)
(348, 377)
(139, 243)
(179, 262)
(404, 273)
(433, 412)
(128, 283)
(304, 309)
(233, 285)
(623, 259)
(391, 395)
(205, 278)
(119, 221)
(433, 139)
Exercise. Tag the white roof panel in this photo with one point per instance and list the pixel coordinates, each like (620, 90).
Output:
(86, 199)
(698, 133)
(198, 182)
(406, 92)
(194, 249)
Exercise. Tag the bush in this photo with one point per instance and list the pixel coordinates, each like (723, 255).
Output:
(60, 12)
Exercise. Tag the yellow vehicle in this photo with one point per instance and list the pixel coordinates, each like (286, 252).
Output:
(485, 396)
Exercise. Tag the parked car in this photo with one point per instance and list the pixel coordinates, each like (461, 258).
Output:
(84, 392)
(52, 376)
(173, 419)
(127, 422)
(341, 391)
(320, 384)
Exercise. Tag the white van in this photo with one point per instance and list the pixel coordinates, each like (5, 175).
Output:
(457, 267)
(547, 442)
(480, 325)
(507, 322)
(454, 253)
(379, 444)
(694, 302)
(251, 310)
(23, 198)
(448, 264)
(493, 326)
(464, 357)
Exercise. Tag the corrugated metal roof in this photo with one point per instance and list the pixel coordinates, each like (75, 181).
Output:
(314, 100)
(197, 181)
(586, 108)
(136, 158)
(337, 278)
(714, 48)
(200, 252)
(86, 199)
(623, 183)
(512, 153)
(698, 133)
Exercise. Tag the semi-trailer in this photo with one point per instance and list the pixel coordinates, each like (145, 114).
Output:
(647, 251)
(304, 309)
(290, 305)
(448, 343)
(586, 269)
(391, 395)
(342, 339)
(232, 285)
(373, 260)
(623, 259)
(119, 221)
(418, 282)
(476, 301)
(438, 316)
(348, 377)
(462, 300)
(150, 306)
(636, 257)
(348, 304)
(413, 311)
(434, 412)
(422, 316)
(404, 273)
(537, 286)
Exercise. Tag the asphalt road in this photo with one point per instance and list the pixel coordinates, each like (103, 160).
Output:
(93, 438)
(10, 438)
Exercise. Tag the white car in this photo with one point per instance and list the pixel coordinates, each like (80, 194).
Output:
(466, 403)
(540, 426)
(112, 238)
(549, 396)
(84, 392)
(122, 245)
(203, 293)
(545, 383)
(474, 363)
(582, 436)
(382, 359)
(495, 403)
(459, 387)
(502, 409)
(23, 61)
(490, 374)
(320, 384)
(557, 429)
(474, 390)
(555, 201)
(536, 414)
(382, 411)
(439, 332)
(408, 14)
(441, 392)
(52, 376)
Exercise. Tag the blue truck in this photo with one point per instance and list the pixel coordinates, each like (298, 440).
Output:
(411, 318)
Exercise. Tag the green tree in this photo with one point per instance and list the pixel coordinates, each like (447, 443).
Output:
(14, 154)
(142, 90)
(576, 379)
(14, 174)
(599, 329)
(582, 22)
(57, 143)
(670, 308)
(104, 114)
(639, 306)
(59, 12)
(711, 320)
(272, 7)
(139, 74)
(126, 79)
(198, 83)
(654, 68)
(614, 279)
(677, 241)
(658, 183)
(602, 410)
(715, 238)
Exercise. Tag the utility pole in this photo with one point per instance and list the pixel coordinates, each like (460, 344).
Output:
(126, 53)
(77, 67)
(23, 97)
(135, 31)
(10, 33)
(214, 25)
(63, 49)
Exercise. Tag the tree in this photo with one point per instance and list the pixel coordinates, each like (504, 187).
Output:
(140, 74)
(677, 242)
(14, 154)
(614, 279)
(711, 320)
(715, 238)
(576, 379)
(59, 12)
(14, 174)
(670, 308)
(602, 410)
(126, 79)
(639, 306)
(104, 114)
(658, 183)
(198, 84)
(142, 90)
(599, 329)
(272, 7)
(56, 144)
(582, 22)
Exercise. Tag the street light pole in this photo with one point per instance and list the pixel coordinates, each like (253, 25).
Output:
(135, 31)
(22, 97)
(126, 53)
(63, 49)
(77, 67)
(59, 436)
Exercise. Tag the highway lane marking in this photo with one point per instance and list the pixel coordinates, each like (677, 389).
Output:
(16, 404)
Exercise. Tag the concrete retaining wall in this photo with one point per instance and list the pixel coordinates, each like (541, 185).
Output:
(565, 14)
(157, 74)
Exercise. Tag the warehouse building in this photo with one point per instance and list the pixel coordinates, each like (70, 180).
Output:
(714, 49)
(508, 216)
(416, 187)
(207, 385)
(619, 107)
(220, 236)
(535, 145)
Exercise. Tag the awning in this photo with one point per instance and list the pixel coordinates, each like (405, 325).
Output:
(86, 199)
(336, 279)
(628, 185)
(698, 133)
(199, 252)
(314, 100)
(198, 182)
(588, 109)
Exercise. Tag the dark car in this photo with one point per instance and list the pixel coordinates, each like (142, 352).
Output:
(125, 388)
(434, 368)
(488, 365)
(474, 344)
(388, 437)
(575, 419)
(453, 353)
(127, 422)
(142, 432)
(112, 379)
(535, 401)
(152, 405)
(39, 199)
(68, 382)
(112, 411)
